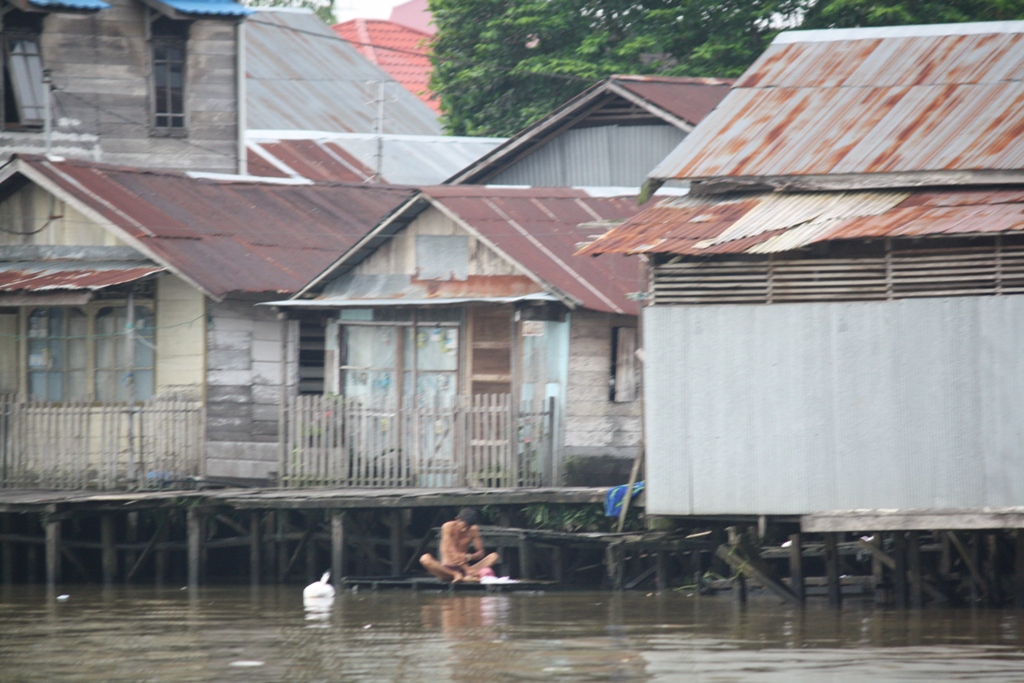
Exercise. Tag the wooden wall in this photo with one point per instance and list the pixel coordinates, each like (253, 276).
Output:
(100, 64)
(601, 436)
(246, 345)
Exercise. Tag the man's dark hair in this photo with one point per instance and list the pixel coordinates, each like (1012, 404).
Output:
(468, 515)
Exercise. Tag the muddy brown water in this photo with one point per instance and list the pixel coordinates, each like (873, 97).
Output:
(266, 634)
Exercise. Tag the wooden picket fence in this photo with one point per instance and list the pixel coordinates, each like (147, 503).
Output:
(483, 441)
(154, 444)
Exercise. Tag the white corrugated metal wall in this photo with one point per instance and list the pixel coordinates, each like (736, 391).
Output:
(603, 156)
(795, 408)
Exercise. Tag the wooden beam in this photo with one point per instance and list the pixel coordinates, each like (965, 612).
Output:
(397, 533)
(254, 547)
(525, 558)
(52, 529)
(158, 535)
(899, 572)
(968, 561)
(914, 570)
(745, 561)
(661, 571)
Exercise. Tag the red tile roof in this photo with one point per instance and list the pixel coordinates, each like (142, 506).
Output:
(222, 235)
(399, 50)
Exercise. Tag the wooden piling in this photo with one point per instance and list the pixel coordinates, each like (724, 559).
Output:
(254, 547)
(1018, 568)
(661, 571)
(914, 569)
(310, 563)
(899, 572)
(282, 545)
(835, 589)
(337, 546)
(525, 558)
(53, 564)
(160, 558)
(131, 533)
(107, 549)
(877, 567)
(995, 596)
(396, 541)
(796, 566)
(6, 550)
(194, 530)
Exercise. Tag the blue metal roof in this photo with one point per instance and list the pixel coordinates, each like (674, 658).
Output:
(222, 8)
(70, 4)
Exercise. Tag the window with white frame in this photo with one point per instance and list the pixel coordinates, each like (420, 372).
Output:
(24, 90)
(82, 353)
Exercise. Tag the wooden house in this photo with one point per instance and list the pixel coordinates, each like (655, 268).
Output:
(467, 302)
(133, 347)
(611, 135)
(836, 311)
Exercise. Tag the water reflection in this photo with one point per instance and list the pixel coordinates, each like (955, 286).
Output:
(270, 634)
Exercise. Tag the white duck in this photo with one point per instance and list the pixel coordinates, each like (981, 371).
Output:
(319, 589)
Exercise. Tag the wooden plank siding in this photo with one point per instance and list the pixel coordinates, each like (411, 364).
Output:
(101, 69)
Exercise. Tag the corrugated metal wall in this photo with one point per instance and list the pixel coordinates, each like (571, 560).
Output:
(615, 156)
(794, 408)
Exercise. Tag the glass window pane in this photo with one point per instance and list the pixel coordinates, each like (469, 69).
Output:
(106, 386)
(143, 353)
(38, 358)
(55, 386)
(37, 385)
(143, 385)
(76, 385)
(56, 322)
(105, 350)
(38, 324)
(57, 355)
(25, 66)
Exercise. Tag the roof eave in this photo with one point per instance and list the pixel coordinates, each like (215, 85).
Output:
(846, 181)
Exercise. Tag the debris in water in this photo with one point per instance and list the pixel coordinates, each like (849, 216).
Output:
(246, 662)
(367, 625)
(63, 598)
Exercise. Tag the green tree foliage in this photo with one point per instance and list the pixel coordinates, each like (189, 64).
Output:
(500, 65)
(323, 8)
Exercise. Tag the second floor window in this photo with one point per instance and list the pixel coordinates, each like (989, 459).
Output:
(168, 53)
(24, 91)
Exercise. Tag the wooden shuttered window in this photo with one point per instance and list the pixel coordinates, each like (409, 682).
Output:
(625, 370)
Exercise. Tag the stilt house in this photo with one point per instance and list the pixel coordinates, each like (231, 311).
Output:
(836, 312)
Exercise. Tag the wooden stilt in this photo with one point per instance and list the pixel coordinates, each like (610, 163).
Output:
(969, 556)
(53, 574)
(612, 565)
(746, 561)
(739, 585)
(160, 559)
(878, 566)
(194, 531)
(914, 570)
(131, 533)
(995, 596)
(6, 551)
(525, 558)
(107, 549)
(269, 544)
(661, 571)
(945, 556)
(1018, 568)
(282, 545)
(311, 569)
(974, 555)
(254, 547)
(159, 536)
(557, 564)
(337, 546)
(899, 572)
(835, 589)
(397, 540)
(796, 566)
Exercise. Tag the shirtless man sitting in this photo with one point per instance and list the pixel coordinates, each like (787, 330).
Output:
(456, 558)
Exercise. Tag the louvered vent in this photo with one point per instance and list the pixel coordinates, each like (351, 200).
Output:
(978, 270)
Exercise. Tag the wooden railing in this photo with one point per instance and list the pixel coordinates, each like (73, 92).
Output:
(153, 444)
(481, 441)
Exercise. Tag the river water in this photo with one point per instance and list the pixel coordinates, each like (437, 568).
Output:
(266, 634)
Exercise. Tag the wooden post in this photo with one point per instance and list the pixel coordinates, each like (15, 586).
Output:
(160, 558)
(397, 539)
(835, 589)
(914, 569)
(877, 567)
(311, 570)
(282, 545)
(558, 564)
(739, 584)
(108, 551)
(661, 571)
(974, 555)
(7, 550)
(634, 474)
(337, 546)
(899, 572)
(52, 527)
(1018, 569)
(194, 528)
(946, 556)
(254, 547)
(132, 536)
(525, 558)
(612, 565)
(995, 596)
(796, 566)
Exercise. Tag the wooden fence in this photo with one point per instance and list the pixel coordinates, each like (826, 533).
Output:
(483, 441)
(100, 446)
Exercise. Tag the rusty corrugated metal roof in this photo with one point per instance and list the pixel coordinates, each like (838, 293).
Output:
(777, 222)
(540, 229)
(302, 76)
(691, 99)
(916, 99)
(54, 275)
(224, 235)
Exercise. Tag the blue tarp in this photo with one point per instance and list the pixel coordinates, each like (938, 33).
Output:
(222, 8)
(70, 4)
(613, 499)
